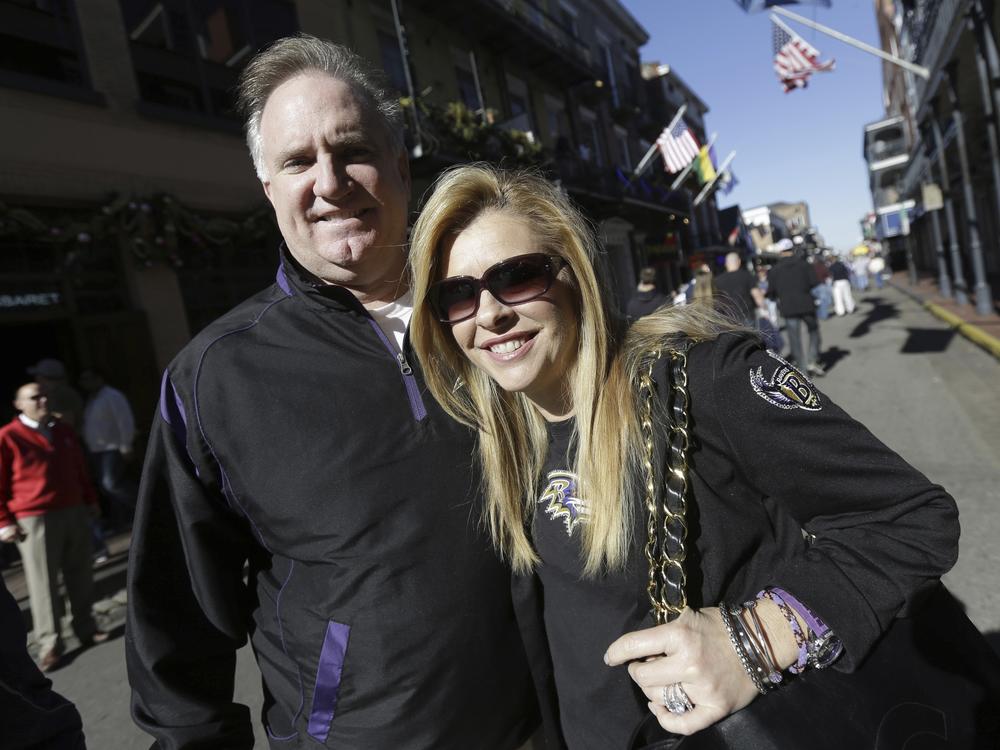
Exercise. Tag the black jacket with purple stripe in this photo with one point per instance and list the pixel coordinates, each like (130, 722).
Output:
(294, 439)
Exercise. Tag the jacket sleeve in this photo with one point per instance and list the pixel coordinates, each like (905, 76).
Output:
(187, 602)
(879, 533)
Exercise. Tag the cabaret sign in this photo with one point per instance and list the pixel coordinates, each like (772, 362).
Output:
(29, 299)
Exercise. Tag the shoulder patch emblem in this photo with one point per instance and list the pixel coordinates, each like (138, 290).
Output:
(560, 501)
(787, 389)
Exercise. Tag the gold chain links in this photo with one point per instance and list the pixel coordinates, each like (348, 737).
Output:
(666, 555)
(647, 390)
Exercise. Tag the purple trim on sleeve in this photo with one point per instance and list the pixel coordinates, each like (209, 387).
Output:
(331, 664)
(816, 626)
(173, 413)
(282, 278)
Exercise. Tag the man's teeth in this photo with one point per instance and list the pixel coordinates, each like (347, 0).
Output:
(342, 216)
(507, 347)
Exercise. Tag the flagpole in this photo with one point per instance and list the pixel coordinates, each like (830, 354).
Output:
(920, 70)
(687, 170)
(718, 173)
(641, 166)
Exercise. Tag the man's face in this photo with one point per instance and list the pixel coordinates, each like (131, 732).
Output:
(31, 402)
(338, 186)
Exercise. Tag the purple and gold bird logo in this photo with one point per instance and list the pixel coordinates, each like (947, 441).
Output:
(561, 502)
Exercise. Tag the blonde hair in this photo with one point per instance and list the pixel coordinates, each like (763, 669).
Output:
(512, 434)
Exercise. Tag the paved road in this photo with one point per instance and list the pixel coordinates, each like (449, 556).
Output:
(929, 394)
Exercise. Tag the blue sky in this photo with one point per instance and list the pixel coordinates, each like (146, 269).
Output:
(805, 145)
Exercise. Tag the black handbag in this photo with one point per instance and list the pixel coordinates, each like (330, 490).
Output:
(932, 682)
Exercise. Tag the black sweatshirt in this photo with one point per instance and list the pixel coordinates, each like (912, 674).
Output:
(290, 435)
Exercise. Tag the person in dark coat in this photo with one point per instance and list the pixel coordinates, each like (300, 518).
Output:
(791, 281)
(32, 715)
(647, 297)
(737, 292)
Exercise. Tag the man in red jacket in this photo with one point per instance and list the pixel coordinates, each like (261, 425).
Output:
(46, 502)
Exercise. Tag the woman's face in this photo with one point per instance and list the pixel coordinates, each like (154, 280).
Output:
(528, 347)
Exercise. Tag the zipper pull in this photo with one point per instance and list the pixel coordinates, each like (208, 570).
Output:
(404, 366)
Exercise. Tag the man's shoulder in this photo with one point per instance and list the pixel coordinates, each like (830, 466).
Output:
(244, 316)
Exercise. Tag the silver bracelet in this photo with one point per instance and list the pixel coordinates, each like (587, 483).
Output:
(727, 620)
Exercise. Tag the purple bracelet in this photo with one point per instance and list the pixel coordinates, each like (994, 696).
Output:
(775, 595)
(822, 645)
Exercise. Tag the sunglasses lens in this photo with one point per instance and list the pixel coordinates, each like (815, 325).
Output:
(455, 299)
(520, 280)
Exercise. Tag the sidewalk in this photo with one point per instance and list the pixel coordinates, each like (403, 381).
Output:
(983, 330)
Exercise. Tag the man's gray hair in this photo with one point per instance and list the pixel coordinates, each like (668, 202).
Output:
(289, 57)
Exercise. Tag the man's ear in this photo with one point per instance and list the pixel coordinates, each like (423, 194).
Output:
(266, 184)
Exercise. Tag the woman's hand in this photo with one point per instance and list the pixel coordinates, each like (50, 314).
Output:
(695, 651)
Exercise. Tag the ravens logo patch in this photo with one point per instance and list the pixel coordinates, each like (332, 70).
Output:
(787, 389)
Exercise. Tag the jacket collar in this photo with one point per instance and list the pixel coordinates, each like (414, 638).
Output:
(296, 281)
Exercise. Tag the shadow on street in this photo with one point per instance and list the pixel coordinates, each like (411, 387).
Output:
(881, 310)
(927, 340)
(832, 356)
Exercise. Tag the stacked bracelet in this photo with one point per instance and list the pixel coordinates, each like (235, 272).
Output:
(764, 651)
(730, 616)
(800, 638)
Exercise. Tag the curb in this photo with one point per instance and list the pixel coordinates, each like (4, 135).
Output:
(974, 333)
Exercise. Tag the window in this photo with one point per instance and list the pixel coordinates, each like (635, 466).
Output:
(558, 122)
(621, 139)
(519, 101)
(607, 61)
(567, 17)
(188, 54)
(40, 43)
(590, 139)
(392, 60)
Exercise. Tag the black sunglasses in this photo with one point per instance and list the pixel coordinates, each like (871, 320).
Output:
(513, 281)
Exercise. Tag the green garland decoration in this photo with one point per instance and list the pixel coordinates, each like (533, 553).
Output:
(155, 229)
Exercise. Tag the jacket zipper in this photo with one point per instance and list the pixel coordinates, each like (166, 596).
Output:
(405, 371)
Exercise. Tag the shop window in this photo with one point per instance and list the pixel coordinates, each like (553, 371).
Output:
(188, 54)
(467, 92)
(40, 44)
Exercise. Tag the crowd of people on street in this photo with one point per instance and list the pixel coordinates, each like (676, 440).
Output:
(416, 473)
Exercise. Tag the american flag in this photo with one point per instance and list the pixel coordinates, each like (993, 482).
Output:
(678, 146)
(795, 59)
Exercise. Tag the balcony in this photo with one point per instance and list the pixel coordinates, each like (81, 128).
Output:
(933, 27)
(519, 30)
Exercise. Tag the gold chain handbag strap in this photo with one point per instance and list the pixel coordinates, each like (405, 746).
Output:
(665, 552)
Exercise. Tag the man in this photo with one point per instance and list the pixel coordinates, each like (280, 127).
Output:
(647, 297)
(65, 403)
(46, 502)
(108, 432)
(295, 441)
(738, 292)
(791, 281)
(843, 300)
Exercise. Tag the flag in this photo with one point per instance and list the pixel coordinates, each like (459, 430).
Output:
(677, 146)
(795, 59)
(727, 182)
(704, 167)
(756, 5)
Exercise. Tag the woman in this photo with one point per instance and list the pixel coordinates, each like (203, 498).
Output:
(517, 338)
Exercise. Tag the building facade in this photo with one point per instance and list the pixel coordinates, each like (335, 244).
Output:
(934, 160)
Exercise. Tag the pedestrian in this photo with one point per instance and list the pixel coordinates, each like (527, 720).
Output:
(843, 299)
(46, 503)
(295, 445)
(860, 271)
(791, 281)
(509, 306)
(647, 297)
(737, 292)
(108, 434)
(823, 291)
(32, 715)
(65, 403)
(702, 275)
(876, 266)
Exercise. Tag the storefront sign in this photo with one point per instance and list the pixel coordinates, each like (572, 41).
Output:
(36, 299)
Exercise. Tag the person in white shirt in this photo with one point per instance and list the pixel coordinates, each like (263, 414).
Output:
(108, 433)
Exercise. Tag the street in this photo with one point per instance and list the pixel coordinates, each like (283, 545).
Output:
(927, 392)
